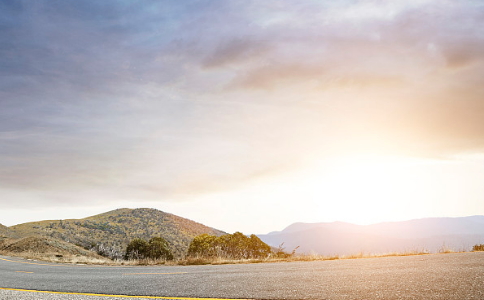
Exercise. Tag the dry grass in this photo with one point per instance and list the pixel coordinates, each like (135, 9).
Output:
(292, 258)
(49, 250)
(58, 258)
(317, 257)
(217, 261)
(478, 248)
(79, 259)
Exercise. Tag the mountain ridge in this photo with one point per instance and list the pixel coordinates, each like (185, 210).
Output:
(426, 234)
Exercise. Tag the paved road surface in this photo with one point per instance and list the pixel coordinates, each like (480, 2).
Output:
(443, 276)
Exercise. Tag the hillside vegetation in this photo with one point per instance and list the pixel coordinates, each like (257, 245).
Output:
(109, 233)
(44, 245)
(49, 249)
(229, 246)
(6, 232)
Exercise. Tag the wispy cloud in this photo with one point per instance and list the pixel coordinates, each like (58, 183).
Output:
(159, 100)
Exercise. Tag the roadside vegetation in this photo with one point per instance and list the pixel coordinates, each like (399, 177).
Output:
(479, 247)
(49, 249)
(230, 246)
(204, 249)
(156, 248)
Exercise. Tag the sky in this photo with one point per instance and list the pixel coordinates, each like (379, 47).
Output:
(242, 115)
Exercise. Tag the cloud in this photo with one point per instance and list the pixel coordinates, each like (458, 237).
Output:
(235, 51)
(162, 100)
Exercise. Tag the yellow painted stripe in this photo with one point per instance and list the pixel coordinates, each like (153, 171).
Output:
(113, 296)
(155, 273)
(24, 272)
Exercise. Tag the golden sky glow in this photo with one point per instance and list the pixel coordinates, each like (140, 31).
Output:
(242, 115)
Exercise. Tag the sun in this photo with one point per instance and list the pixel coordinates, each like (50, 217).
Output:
(364, 189)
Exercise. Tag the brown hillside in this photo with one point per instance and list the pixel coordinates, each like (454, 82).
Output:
(109, 233)
(5, 232)
(43, 245)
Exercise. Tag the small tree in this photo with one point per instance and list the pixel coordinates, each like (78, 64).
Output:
(203, 245)
(234, 246)
(158, 248)
(257, 248)
(137, 249)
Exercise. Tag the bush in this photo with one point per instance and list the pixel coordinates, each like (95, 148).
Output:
(137, 249)
(257, 248)
(231, 246)
(156, 248)
(479, 247)
(203, 245)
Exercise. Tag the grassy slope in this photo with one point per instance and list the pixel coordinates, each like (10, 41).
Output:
(44, 245)
(3, 230)
(113, 230)
(49, 249)
(6, 232)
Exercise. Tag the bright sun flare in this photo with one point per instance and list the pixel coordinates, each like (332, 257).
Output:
(367, 188)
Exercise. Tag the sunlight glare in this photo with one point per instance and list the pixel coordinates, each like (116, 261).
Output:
(367, 189)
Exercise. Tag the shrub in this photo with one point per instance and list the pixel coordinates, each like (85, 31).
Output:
(156, 248)
(203, 246)
(137, 249)
(479, 247)
(231, 246)
(257, 248)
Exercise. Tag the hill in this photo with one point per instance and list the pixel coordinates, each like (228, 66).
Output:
(44, 245)
(6, 232)
(3, 230)
(431, 234)
(110, 232)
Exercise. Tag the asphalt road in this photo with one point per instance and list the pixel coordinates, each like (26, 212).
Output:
(442, 276)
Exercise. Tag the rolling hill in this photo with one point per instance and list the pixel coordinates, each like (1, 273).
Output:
(110, 232)
(37, 246)
(6, 232)
(3, 230)
(431, 234)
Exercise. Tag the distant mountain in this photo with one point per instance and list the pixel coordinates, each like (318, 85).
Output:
(109, 233)
(431, 234)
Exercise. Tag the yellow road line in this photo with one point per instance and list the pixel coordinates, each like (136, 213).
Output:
(113, 296)
(155, 273)
(24, 272)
